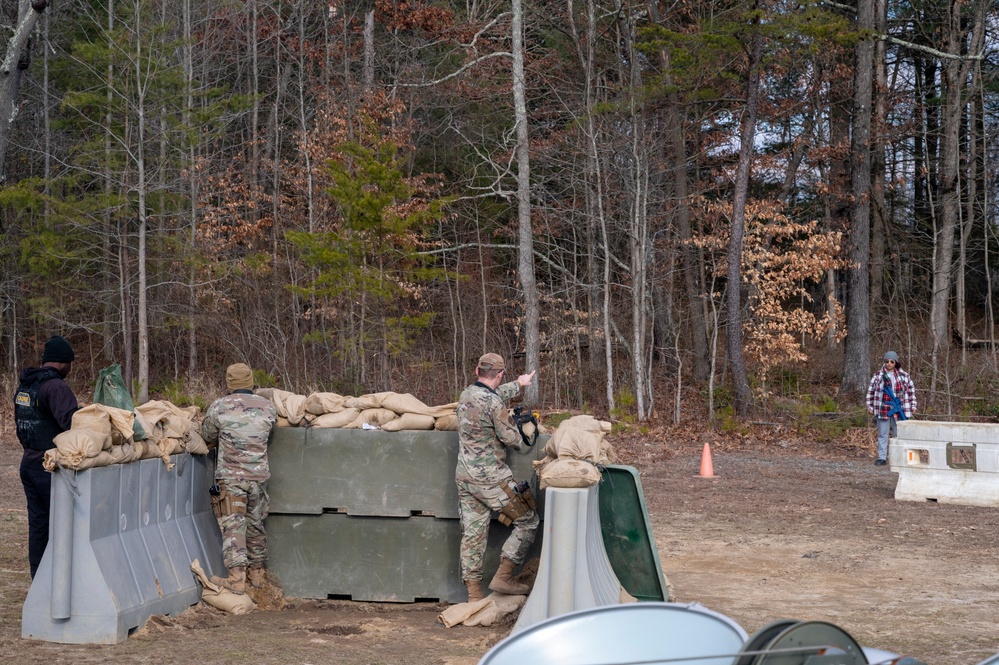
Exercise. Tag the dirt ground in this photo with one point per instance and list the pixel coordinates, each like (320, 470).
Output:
(788, 529)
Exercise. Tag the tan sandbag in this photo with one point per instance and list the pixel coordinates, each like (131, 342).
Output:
(336, 420)
(122, 421)
(579, 437)
(51, 460)
(54, 458)
(175, 427)
(282, 422)
(154, 412)
(266, 393)
(194, 443)
(448, 423)
(370, 401)
(104, 458)
(124, 453)
(540, 464)
(94, 418)
(289, 405)
(152, 451)
(501, 606)
(170, 446)
(147, 427)
(409, 421)
(319, 403)
(189, 412)
(220, 597)
(374, 417)
(486, 612)
(569, 473)
(405, 403)
(79, 443)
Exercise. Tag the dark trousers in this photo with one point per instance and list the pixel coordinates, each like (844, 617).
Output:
(37, 489)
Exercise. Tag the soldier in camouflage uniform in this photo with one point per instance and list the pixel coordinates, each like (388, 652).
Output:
(484, 433)
(241, 423)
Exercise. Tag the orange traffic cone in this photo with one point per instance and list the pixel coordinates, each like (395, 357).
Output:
(707, 469)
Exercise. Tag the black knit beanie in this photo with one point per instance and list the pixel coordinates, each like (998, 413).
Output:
(57, 350)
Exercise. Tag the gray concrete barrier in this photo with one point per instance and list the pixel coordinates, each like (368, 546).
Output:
(121, 542)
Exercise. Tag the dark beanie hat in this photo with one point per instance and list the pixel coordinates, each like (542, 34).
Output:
(57, 350)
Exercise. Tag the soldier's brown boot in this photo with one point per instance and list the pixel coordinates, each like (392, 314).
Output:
(236, 582)
(474, 590)
(255, 575)
(503, 581)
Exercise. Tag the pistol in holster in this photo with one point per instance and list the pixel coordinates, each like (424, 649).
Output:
(521, 502)
(224, 503)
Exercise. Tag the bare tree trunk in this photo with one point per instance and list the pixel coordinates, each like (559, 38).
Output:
(15, 60)
(140, 187)
(192, 330)
(369, 51)
(747, 135)
(955, 74)
(857, 350)
(525, 235)
(880, 223)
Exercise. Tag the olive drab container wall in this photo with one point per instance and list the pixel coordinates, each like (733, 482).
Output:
(372, 515)
(121, 542)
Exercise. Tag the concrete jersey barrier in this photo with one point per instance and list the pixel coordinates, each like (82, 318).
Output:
(121, 542)
(946, 462)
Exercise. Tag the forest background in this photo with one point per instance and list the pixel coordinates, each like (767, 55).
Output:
(365, 196)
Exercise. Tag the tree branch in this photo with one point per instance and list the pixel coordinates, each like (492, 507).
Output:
(453, 74)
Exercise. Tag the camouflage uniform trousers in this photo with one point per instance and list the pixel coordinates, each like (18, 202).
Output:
(244, 541)
(476, 503)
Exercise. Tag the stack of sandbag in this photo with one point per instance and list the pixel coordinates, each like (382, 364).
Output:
(389, 411)
(101, 435)
(574, 452)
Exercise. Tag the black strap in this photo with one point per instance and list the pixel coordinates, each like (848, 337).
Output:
(520, 418)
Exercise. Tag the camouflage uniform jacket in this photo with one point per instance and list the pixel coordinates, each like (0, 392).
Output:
(484, 428)
(241, 422)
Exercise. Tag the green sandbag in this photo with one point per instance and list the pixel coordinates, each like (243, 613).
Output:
(111, 391)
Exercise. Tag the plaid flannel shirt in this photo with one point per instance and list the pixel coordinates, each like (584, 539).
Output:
(901, 385)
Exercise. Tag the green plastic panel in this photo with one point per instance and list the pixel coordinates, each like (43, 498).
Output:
(627, 532)
(395, 559)
(376, 473)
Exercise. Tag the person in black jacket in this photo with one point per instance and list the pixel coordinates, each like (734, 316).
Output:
(43, 407)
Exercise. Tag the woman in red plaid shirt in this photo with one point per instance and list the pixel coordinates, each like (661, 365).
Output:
(879, 400)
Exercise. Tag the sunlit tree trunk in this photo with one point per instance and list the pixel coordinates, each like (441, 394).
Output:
(525, 234)
(857, 350)
(747, 135)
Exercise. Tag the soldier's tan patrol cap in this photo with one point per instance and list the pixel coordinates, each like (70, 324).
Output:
(491, 361)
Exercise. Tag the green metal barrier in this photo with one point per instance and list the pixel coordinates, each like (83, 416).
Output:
(372, 515)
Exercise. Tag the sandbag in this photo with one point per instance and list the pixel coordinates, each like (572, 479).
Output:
(111, 390)
(405, 403)
(370, 401)
(75, 444)
(582, 438)
(220, 597)
(194, 444)
(319, 403)
(374, 417)
(409, 421)
(569, 473)
(170, 446)
(341, 418)
(124, 453)
(94, 418)
(448, 423)
(104, 458)
(282, 422)
(486, 612)
(289, 405)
